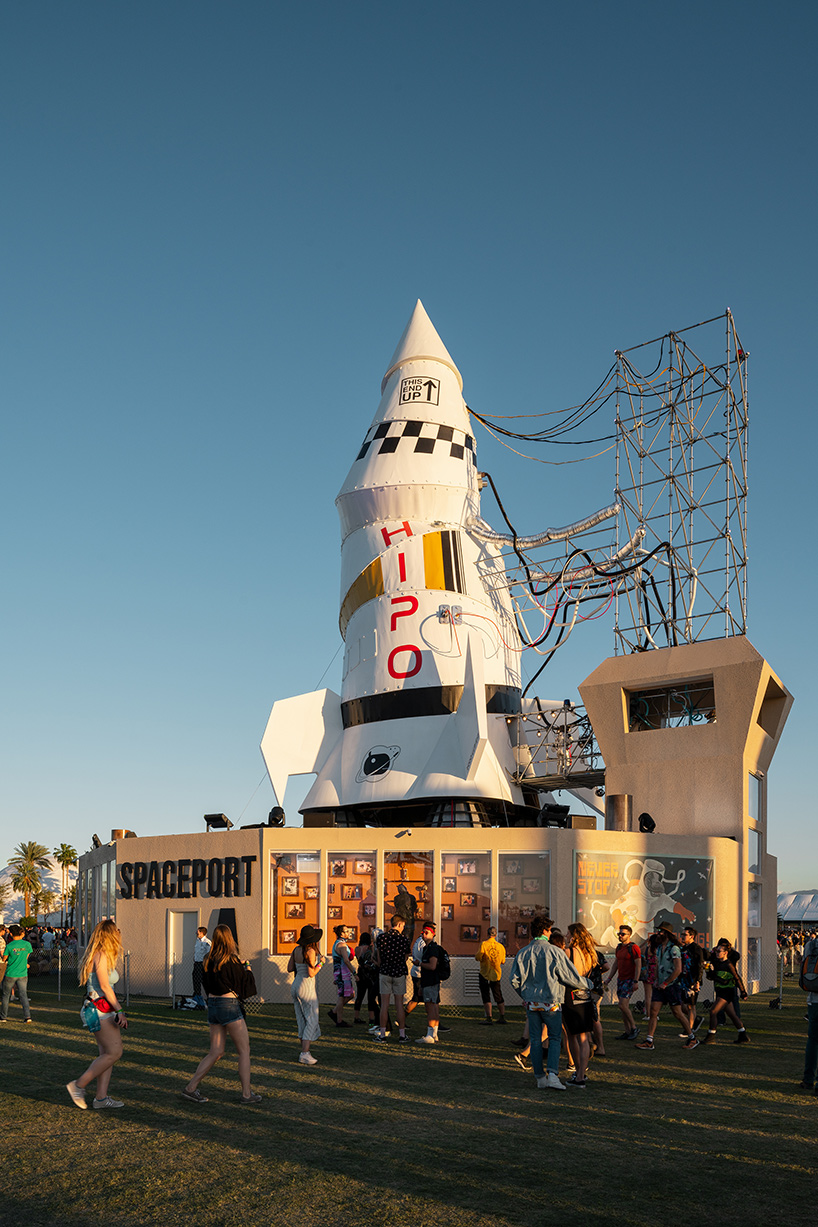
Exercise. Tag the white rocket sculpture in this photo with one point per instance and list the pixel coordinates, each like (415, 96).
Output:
(432, 653)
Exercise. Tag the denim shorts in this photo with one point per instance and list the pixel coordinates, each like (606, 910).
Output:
(223, 1010)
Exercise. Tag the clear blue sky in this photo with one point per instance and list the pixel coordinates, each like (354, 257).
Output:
(216, 219)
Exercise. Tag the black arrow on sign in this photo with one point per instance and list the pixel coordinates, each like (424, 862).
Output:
(430, 384)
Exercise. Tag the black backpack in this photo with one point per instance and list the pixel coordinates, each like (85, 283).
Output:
(808, 977)
(596, 973)
(444, 964)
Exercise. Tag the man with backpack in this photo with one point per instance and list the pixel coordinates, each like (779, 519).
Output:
(433, 968)
(808, 979)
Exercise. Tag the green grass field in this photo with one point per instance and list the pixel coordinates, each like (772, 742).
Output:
(376, 1134)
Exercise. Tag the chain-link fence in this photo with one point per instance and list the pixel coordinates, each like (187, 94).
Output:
(148, 976)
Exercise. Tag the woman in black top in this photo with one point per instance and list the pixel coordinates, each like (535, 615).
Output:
(227, 982)
(723, 970)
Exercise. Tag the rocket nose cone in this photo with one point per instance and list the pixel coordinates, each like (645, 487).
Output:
(420, 341)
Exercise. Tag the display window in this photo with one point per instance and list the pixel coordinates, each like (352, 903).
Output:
(295, 893)
(465, 902)
(524, 885)
(351, 899)
(408, 889)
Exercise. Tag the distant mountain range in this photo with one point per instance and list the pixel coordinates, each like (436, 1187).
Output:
(14, 908)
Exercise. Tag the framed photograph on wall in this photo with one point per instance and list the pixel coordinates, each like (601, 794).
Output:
(293, 911)
(507, 895)
(422, 893)
(485, 882)
(335, 913)
(352, 933)
(467, 868)
(532, 886)
(511, 866)
(351, 890)
(287, 937)
(527, 913)
(487, 915)
(447, 911)
(521, 931)
(502, 936)
(310, 892)
(468, 900)
(365, 867)
(289, 886)
(337, 867)
(369, 909)
(449, 886)
(470, 933)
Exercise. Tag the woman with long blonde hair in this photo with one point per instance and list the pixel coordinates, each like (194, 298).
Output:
(578, 1009)
(228, 982)
(101, 1013)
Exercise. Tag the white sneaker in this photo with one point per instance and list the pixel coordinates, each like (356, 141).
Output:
(108, 1102)
(425, 1039)
(550, 1083)
(306, 1058)
(77, 1094)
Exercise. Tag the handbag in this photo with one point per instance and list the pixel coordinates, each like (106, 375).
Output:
(89, 1015)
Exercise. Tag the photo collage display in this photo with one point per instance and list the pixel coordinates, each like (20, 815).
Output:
(465, 902)
(296, 888)
(523, 893)
(408, 889)
(350, 893)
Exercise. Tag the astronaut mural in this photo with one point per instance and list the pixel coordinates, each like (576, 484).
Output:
(642, 891)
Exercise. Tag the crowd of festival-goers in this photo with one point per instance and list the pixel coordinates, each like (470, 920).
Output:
(559, 976)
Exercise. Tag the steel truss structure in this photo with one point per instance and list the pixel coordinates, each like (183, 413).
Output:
(681, 480)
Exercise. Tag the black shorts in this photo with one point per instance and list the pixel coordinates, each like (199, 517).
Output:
(578, 1017)
(489, 988)
(672, 994)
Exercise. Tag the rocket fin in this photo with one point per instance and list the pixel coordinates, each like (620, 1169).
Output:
(420, 342)
(300, 736)
(470, 718)
(462, 743)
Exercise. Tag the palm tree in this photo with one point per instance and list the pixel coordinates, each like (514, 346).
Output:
(72, 901)
(65, 856)
(47, 899)
(29, 858)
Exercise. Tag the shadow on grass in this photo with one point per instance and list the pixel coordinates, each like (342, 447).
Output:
(456, 1134)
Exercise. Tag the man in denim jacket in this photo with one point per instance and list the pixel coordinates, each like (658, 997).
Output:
(540, 972)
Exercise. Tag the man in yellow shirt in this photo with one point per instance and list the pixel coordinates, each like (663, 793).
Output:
(491, 958)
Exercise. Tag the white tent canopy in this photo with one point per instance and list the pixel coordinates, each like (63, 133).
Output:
(798, 908)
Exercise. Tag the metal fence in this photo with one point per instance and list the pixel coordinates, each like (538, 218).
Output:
(147, 978)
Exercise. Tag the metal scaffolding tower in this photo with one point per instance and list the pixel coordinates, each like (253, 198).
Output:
(681, 479)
